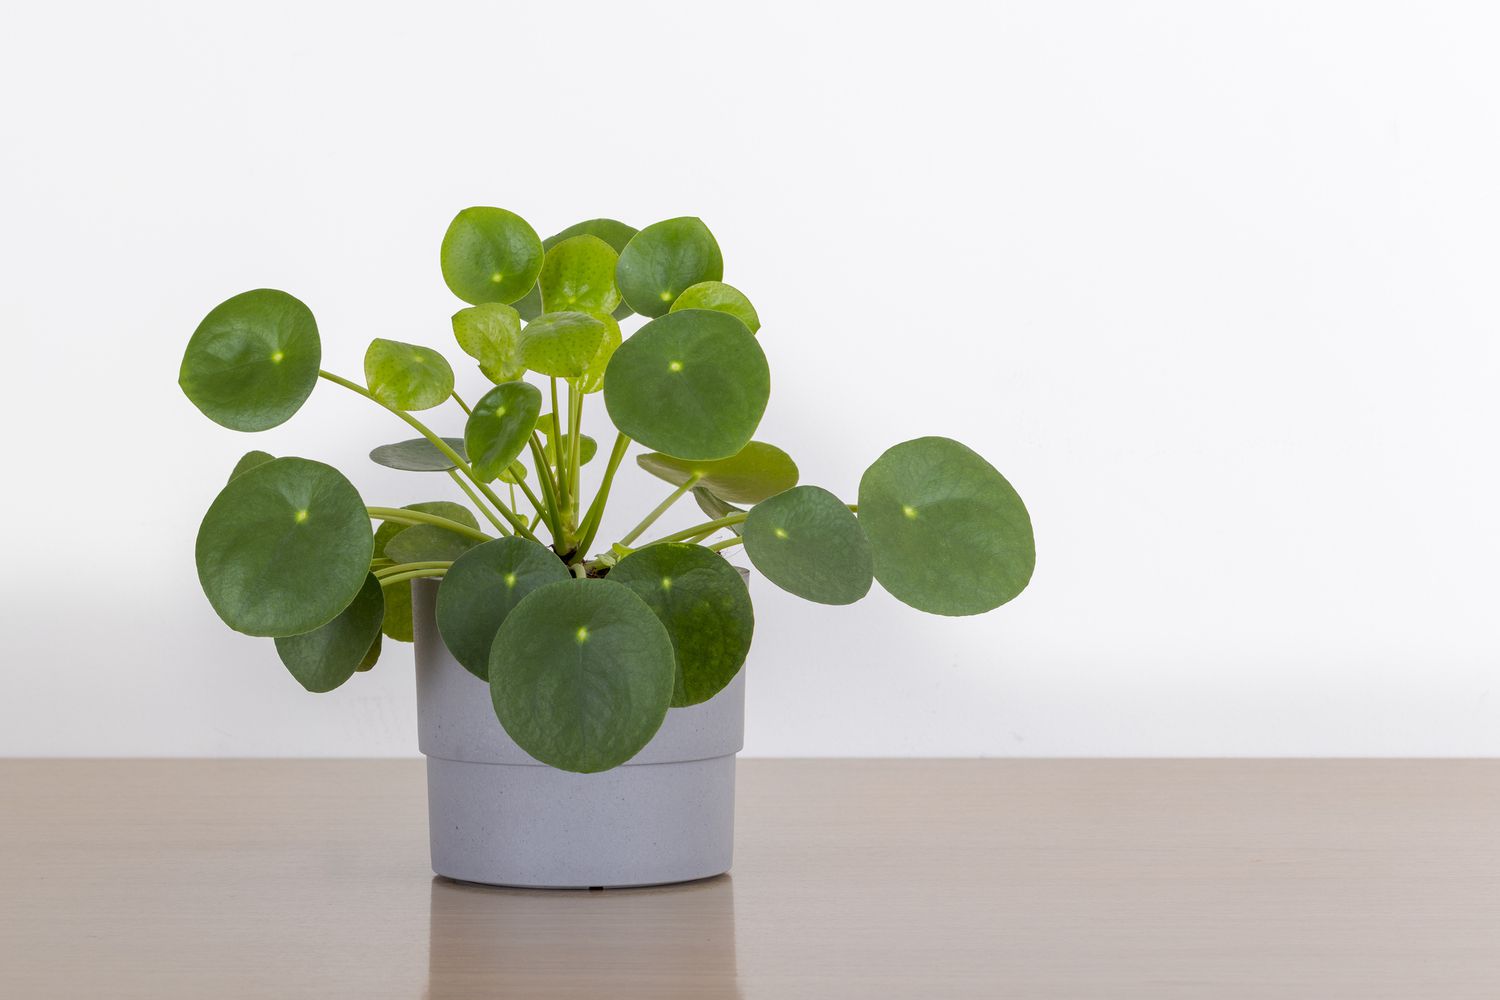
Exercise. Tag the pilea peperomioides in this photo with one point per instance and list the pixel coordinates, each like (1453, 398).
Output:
(585, 647)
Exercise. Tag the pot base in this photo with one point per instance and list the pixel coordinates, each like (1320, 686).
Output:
(530, 826)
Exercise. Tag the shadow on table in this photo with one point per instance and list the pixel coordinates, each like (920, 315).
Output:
(610, 943)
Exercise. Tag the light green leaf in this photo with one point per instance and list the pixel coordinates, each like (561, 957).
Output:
(547, 424)
(807, 541)
(593, 375)
(482, 587)
(397, 623)
(663, 260)
(284, 548)
(578, 275)
(249, 460)
(562, 344)
(724, 298)
(253, 361)
(491, 334)
(417, 455)
(426, 542)
(500, 426)
(329, 655)
(581, 674)
(406, 376)
(949, 534)
(616, 234)
(705, 606)
(756, 472)
(490, 255)
(692, 384)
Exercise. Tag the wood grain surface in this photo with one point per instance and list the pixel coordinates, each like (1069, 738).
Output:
(871, 878)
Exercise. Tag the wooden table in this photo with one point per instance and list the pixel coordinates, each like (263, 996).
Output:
(923, 879)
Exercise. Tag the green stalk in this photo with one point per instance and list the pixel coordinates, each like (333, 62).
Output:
(698, 529)
(462, 405)
(575, 452)
(536, 504)
(386, 581)
(557, 449)
(381, 574)
(515, 520)
(401, 515)
(590, 526)
(727, 543)
(661, 509)
(549, 490)
(488, 514)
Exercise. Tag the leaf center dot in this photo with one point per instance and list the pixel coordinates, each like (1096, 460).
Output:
(497, 277)
(582, 635)
(675, 366)
(909, 511)
(301, 516)
(780, 533)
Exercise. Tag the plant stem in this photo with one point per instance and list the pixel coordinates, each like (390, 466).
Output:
(549, 490)
(515, 520)
(557, 442)
(381, 574)
(661, 509)
(536, 504)
(595, 515)
(727, 543)
(401, 515)
(488, 514)
(462, 405)
(386, 581)
(698, 529)
(575, 451)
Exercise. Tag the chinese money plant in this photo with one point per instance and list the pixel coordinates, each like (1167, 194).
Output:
(585, 643)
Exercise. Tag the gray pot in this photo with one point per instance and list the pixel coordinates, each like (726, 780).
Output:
(495, 815)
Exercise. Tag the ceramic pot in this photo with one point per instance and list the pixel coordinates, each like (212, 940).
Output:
(497, 816)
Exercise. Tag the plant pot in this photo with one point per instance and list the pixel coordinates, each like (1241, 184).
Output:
(497, 816)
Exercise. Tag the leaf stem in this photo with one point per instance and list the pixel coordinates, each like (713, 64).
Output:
(727, 543)
(549, 490)
(386, 581)
(698, 529)
(595, 515)
(661, 509)
(557, 442)
(381, 574)
(462, 405)
(483, 509)
(401, 515)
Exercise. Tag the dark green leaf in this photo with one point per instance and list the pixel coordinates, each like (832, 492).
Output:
(692, 384)
(248, 461)
(950, 535)
(482, 587)
(373, 655)
(724, 298)
(284, 548)
(329, 655)
(406, 376)
(581, 674)
(758, 471)
(490, 255)
(807, 541)
(705, 606)
(665, 258)
(500, 426)
(253, 361)
(417, 455)
(427, 542)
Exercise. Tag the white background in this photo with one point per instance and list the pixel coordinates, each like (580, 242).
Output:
(1214, 285)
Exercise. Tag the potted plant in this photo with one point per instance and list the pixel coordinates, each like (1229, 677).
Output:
(580, 701)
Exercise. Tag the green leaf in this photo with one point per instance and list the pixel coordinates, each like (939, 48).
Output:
(724, 298)
(249, 460)
(406, 376)
(593, 375)
(807, 541)
(665, 258)
(416, 455)
(705, 606)
(562, 344)
(373, 656)
(490, 255)
(581, 674)
(715, 508)
(513, 473)
(482, 587)
(490, 333)
(547, 424)
(692, 384)
(329, 655)
(284, 548)
(500, 426)
(397, 624)
(578, 275)
(616, 234)
(253, 361)
(426, 542)
(757, 472)
(950, 535)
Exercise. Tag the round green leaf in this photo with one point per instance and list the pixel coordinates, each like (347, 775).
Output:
(253, 361)
(757, 472)
(490, 333)
(724, 298)
(397, 623)
(593, 375)
(500, 426)
(808, 542)
(490, 255)
(950, 535)
(417, 455)
(562, 344)
(249, 460)
(329, 655)
(284, 548)
(665, 258)
(406, 376)
(616, 234)
(692, 384)
(426, 542)
(705, 606)
(513, 473)
(581, 674)
(578, 275)
(373, 656)
(715, 507)
(482, 587)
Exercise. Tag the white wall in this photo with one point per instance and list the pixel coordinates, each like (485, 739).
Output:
(1214, 285)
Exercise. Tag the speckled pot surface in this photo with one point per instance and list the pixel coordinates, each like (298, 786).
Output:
(497, 816)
